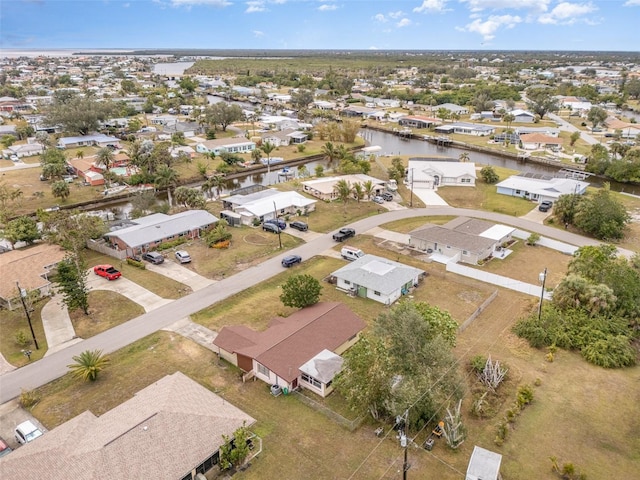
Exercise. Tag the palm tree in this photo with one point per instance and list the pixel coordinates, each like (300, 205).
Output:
(166, 177)
(80, 154)
(88, 364)
(358, 191)
(508, 119)
(329, 152)
(369, 189)
(267, 148)
(463, 157)
(105, 158)
(343, 190)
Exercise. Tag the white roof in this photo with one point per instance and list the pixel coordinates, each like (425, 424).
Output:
(269, 200)
(549, 188)
(483, 465)
(422, 168)
(497, 232)
(324, 366)
(325, 184)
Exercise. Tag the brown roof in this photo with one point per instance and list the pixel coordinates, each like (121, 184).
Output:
(290, 342)
(29, 266)
(468, 225)
(164, 431)
(453, 238)
(539, 138)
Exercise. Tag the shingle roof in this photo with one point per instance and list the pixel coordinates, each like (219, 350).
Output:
(378, 273)
(28, 266)
(164, 431)
(453, 238)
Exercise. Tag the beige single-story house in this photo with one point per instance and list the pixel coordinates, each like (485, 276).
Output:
(31, 267)
(301, 350)
(171, 429)
(538, 141)
(323, 188)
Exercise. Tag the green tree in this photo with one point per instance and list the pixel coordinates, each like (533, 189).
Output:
(60, 189)
(329, 152)
(76, 113)
(342, 188)
(190, 197)
(223, 114)
(397, 170)
(54, 163)
(463, 157)
(489, 175)
(508, 119)
(234, 451)
(22, 229)
(105, 158)
(564, 208)
(440, 322)
(23, 129)
(188, 84)
(8, 140)
(71, 229)
(300, 291)
(369, 189)
(167, 178)
(574, 138)
(71, 280)
(319, 171)
(358, 191)
(597, 116)
(602, 216)
(443, 114)
(88, 365)
(9, 201)
(541, 101)
(301, 99)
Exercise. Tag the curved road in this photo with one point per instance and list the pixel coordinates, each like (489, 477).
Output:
(53, 366)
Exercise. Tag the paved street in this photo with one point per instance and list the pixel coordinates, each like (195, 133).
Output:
(55, 365)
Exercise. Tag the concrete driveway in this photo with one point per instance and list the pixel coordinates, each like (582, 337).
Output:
(12, 415)
(134, 292)
(177, 272)
(536, 215)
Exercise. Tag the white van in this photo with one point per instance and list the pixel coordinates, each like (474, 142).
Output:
(351, 253)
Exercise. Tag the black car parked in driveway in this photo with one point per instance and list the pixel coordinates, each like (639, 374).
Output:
(387, 196)
(303, 227)
(291, 260)
(270, 227)
(277, 221)
(545, 206)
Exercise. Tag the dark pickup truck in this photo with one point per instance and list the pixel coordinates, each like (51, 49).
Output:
(344, 234)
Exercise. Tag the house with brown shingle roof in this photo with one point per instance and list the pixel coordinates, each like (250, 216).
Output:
(301, 350)
(31, 267)
(171, 429)
(537, 141)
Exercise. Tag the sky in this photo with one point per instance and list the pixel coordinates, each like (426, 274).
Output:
(321, 24)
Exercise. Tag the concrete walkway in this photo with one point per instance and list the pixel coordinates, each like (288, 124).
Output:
(194, 331)
(177, 272)
(125, 287)
(57, 325)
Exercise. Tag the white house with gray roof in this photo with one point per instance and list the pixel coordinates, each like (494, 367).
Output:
(95, 140)
(434, 174)
(540, 189)
(377, 278)
(146, 233)
(265, 205)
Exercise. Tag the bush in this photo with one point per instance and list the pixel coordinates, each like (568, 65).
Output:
(22, 339)
(28, 398)
(223, 244)
(533, 239)
(170, 245)
(524, 396)
(613, 351)
(136, 263)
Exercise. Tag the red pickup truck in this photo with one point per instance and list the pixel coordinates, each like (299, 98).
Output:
(107, 271)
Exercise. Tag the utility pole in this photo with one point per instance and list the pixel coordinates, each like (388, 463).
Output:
(23, 294)
(275, 212)
(404, 443)
(542, 278)
(411, 201)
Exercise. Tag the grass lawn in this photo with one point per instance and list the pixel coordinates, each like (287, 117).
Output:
(159, 284)
(408, 224)
(106, 310)
(14, 321)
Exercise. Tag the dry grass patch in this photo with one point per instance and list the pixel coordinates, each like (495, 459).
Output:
(106, 310)
(409, 224)
(162, 286)
(14, 321)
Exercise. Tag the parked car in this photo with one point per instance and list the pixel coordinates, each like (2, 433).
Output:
(4, 448)
(545, 206)
(291, 260)
(387, 196)
(14, 158)
(153, 257)
(107, 271)
(378, 199)
(344, 234)
(27, 432)
(183, 256)
(270, 227)
(303, 227)
(277, 221)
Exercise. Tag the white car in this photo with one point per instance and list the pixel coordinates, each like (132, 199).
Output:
(14, 158)
(27, 432)
(183, 257)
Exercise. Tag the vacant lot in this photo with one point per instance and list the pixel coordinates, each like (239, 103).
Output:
(14, 321)
(106, 310)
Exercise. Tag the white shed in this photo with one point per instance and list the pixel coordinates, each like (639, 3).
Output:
(484, 465)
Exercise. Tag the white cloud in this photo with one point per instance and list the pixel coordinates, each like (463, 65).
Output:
(373, 47)
(432, 6)
(327, 7)
(189, 3)
(398, 14)
(534, 5)
(405, 22)
(380, 18)
(258, 33)
(567, 13)
(490, 26)
(255, 6)
(632, 3)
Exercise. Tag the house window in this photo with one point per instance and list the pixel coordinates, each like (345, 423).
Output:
(376, 293)
(311, 381)
(347, 282)
(464, 252)
(263, 370)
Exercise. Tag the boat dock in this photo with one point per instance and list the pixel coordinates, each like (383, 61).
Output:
(574, 174)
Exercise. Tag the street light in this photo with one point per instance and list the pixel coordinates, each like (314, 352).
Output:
(542, 277)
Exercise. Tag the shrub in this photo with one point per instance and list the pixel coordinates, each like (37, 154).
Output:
(136, 263)
(533, 239)
(171, 244)
(28, 398)
(223, 244)
(524, 396)
(477, 363)
(613, 351)
(21, 339)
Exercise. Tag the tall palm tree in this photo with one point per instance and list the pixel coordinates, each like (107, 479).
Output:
(267, 148)
(463, 157)
(88, 364)
(105, 157)
(358, 191)
(166, 177)
(369, 189)
(343, 190)
(508, 119)
(329, 152)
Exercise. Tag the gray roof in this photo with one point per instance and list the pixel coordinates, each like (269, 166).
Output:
(156, 227)
(458, 239)
(378, 273)
(483, 465)
(164, 431)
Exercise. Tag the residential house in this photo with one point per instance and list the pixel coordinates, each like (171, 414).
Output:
(540, 189)
(462, 239)
(228, 145)
(323, 105)
(25, 150)
(358, 111)
(86, 169)
(324, 187)
(377, 278)
(549, 131)
(576, 104)
(96, 140)
(301, 350)
(265, 205)
(522, 116)
(433, 174)
(284, 138)
(466, 129)
(171, 429)
(452, 107)
(484, 465)
(538, 141)
(629, 131)
(31, 267)
(418, 121)
(146, 233)
(279, 122)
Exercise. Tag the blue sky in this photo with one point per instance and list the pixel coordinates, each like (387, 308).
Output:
(327, 24)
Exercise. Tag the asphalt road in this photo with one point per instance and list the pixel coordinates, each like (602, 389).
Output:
(54, 366)
(563, 124)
